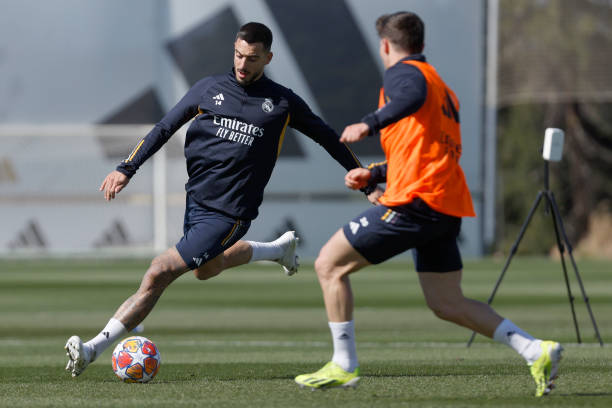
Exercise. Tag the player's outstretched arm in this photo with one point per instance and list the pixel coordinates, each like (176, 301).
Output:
(355, 132)
(113, 184)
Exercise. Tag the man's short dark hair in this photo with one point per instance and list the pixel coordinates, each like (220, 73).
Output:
(255, 32)
(404, 29)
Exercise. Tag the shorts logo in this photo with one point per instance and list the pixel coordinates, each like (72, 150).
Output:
(363, 222)
(198, 261)
(267, 106)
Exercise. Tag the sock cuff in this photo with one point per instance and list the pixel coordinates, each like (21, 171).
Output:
(116, 323)
(500, 332)
(254, 253)
(506, 329)
(350, 323)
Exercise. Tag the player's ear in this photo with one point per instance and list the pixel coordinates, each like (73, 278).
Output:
(385, 46)
(269, 57)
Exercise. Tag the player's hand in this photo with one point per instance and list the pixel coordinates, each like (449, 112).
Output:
(354, 133)
(113, 184)
(357, 178)
(375, 195)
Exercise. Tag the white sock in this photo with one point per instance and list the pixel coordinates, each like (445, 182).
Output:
(109, 334)
(522, 342)
(345, 353)
(268, 251)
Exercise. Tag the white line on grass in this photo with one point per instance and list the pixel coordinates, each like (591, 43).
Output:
(316, 344)
(7, 342)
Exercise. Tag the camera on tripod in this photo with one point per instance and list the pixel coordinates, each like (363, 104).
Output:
(552, 151)
(553, 144)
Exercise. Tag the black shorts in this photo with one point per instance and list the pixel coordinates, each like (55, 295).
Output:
(380, 233)
(207, 233)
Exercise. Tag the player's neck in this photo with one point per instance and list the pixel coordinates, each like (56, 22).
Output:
(395, 57)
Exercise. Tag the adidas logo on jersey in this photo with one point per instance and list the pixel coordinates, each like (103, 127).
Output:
(198, 261)
(218, 99)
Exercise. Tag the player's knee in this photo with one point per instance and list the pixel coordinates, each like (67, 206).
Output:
(444, 310)
(322, 267)
(206, 272)
(211, 268)
(326, 269)
(442, 313)
(154, 278)
(156, 275)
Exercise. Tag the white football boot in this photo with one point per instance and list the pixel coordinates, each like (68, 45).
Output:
(290, 259)
(79, 356)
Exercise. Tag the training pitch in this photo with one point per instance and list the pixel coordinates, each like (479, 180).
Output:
(240, 338)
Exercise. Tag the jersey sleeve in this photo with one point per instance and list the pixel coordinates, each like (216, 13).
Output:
(405, 90)
(378, 172)
(304, 120)
(180, 114)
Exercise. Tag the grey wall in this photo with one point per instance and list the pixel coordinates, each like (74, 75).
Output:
(118, 62)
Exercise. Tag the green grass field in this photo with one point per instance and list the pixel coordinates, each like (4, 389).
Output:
(239, 339)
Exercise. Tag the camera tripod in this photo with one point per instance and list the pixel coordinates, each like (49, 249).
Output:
(562, 239)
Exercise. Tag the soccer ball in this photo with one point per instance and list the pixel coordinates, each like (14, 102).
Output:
(136, 359)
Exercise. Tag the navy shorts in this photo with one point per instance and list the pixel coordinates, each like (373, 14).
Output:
(380, 233)
(207, 233)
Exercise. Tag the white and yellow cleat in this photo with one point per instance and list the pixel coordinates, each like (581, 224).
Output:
(290, 259)
(330, 376)
(79, 356)
(544, 370)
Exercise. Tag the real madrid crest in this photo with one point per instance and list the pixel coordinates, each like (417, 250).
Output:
(267, 106)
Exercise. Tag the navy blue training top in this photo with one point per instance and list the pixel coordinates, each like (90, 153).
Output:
(405, 91)
(232, 144)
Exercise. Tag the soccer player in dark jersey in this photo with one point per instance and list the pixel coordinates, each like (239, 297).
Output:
(238, 125)
(421, 208)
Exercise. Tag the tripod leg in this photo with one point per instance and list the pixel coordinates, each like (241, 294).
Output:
(556, 219)
(512, 253)
(553, 203)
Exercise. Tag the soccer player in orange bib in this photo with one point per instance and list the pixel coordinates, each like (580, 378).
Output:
(421, 209)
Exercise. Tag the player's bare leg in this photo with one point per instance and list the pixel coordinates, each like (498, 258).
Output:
(335, 262)
(237, 254)
(281, 250)
(164, 269)
(444, 296)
